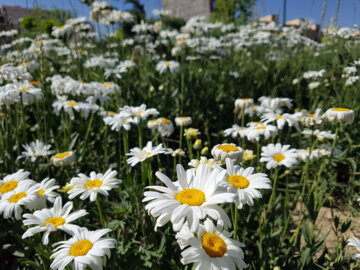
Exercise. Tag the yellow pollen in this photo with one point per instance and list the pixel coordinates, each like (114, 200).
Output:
(62, 155)
(61, 26)
(25, 64)
(93, 183)
(254, 108)
(258, 123)
(83, 83)
(340, 110)
(38, 42)
(111, 112)
(149, 153)
(106, 84)
(72, 104)
(125, 121)
(311, 115)
(181, 40)
(238, 181)
(56, 221)
(8, 186)
(184, 117)
(168, 64)
(25, 89)
(213, 245)
(278, 157)
(16, 197)
(228, 148)
(66, 188)
(165, 121)
(34, 82)
(41, 192)
(81, 248)
(140, 112)
(279, 116)
(245, 99)
(191, 196)
(260, 127)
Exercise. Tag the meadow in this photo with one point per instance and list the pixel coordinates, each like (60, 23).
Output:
(205, 146)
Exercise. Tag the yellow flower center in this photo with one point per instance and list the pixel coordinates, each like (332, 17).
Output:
(228, 148)
(8, 186)
(254, 108)
(16, 197)
(72, 104)
(80, 50)
(261, 128)
(81, 248)
(61, 26)
(34, 82)
(41, 192)
(93, 183)
(279, 116)
(311, 115)
(111, 112)
(25, 64)
(106, 84)
(184, 117)
(83, 83)
(191, 196)
(168, 64)
(278, 157)
(25, 89)
(149, 153)
(140, 112)
(258, 123)
(165, 121)
(245, 99)
(62, 155)
(340, 110)
(238, 181)
(213, 245)
(56, 221)
(67, 187)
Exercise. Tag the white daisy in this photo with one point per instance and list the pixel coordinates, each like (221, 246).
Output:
(191, 199)
(244, 183)
(12, 202)
(69, 106)
(354, 242)
(53, 219)
(311, 119)
(255, 110)
(63, 159)
(275, 155)
(254, 133)
(183, 121)
(235, 131)
(36, 150)
(164, 66)
(20, 92)
(340, 115)
(85, 248)
(275, 103)
(91, 186)
(117, 121)
(223, 151)
(280, 119)
(242, 103)
(46, 189)
(195, 163)
(165, 127)
(139, 155)
(211, 248)
(11, 181)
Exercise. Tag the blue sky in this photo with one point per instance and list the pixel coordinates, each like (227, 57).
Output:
(348, 14)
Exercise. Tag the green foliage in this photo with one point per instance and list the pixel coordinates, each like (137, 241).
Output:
(233, 10)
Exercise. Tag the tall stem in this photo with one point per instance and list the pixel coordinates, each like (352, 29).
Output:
(100, 212)
(273, 189)
(235, 221)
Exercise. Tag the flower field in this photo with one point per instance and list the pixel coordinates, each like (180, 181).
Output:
(201, 146)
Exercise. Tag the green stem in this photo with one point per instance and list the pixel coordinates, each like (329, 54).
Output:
(140, 134)
(100, 212)
(180, 141)
(235, 221)
(273, 189)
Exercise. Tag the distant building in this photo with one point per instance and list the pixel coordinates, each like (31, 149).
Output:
(188, 8)
(10, 16)
(313, 32)
(269, 19)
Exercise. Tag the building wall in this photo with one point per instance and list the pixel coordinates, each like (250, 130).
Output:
(10, 16)
(188, 8)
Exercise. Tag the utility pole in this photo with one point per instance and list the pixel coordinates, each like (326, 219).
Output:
(284, 13)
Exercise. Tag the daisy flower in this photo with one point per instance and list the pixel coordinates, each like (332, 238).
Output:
(153, 124)
(244, 183)
(280, 119)
(11, 181)
(165, 127)
(53, 219)
(311, 119)
(277, 154)
(35, 150)
(12, 202)
(174, 153)
(69, 106)
(46, 189)
(193, 197)
(223, 151)
(21, 91)
(275, 103)
(340, 115)
(235, 131)
(254, 133)
(242, 103)
(195, 163)
(255, 110)
(164, 66)
(85, 248)
(183, 121)
(117, 122)
(210, 248)
(354, 242)
(191, 132)
(63, 159)
(139, 155)
(91, 186)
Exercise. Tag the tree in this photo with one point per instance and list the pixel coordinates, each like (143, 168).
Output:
(233, 10)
